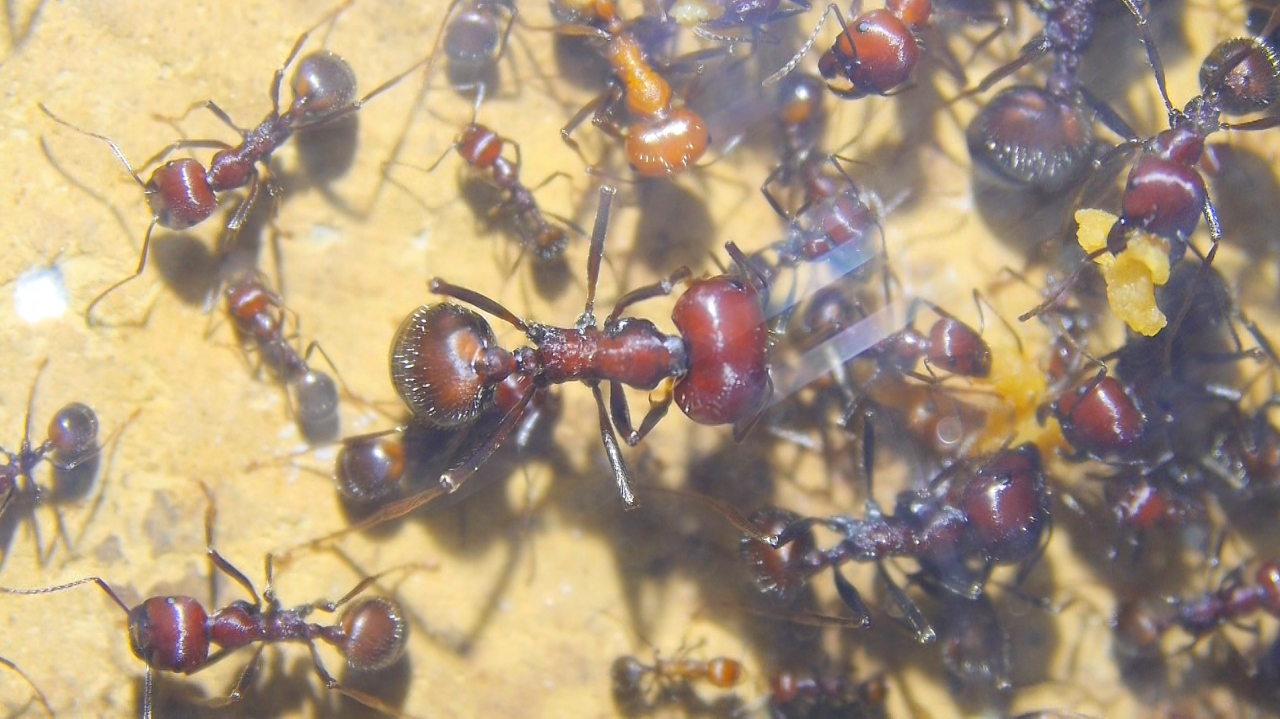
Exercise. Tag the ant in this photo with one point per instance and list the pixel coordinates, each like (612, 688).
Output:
(1031, 136)
(1165, 194)
(803, 694)
(877, 52)
(1139, 625)
(182, 193)
(258, 316)
(446, 363)
(178, 634)
(72, 441)
(998, 514)
(481, 148)
(671, 678)
(665, 139)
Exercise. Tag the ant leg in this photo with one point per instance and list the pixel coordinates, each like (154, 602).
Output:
(1108, 115)
(44, 702)
(910, 614)
(220, 562)
(621, 475)
(454, 478)
(209, 105)
(1032, 51)
(1153, 54)
(46, 554)
(621, 414)
(185, 145)
(769, 197)
(849, 595)
(595, 108)
(243, 682)
(363, 584)
(640, 294)
(142, 265)
(332, 684)
(596, 252)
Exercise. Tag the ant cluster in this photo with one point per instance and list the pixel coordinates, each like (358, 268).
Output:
(1123, 423)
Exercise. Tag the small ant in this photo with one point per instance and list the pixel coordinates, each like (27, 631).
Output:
(177, 634)
(182, 193)
(803, 694)
(446, 364)
(1139, 625)
(1042, 137)
(72, 440)
(258, 315)
(669, 679)
(665, 139)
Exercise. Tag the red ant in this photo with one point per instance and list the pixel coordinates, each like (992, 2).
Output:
(1139, 625)
(71, 442)
(998, 514)
(177, 634)
(1042, 137)
(258, 315)
(876, 53)
(665, 139)
(1165, 194)
(182, 193)
(672, 678)
(446, 363)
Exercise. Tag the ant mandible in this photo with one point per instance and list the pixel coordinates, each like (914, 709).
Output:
(177, 634)
(182, 193)
(446, 363)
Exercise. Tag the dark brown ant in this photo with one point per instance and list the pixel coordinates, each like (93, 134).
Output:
(878, 51)
(1139, 625)
(997, 515)
(665, 139)
(804, 694)
(446, 363)
(71, 441)
(481, 148)
(177, 634)
(258, 315)
(637, 685)
(1030, 136)
(182, 193)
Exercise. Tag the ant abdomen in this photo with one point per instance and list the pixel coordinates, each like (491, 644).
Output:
(442, 361)
(73, 431)
(325, 83)
(723, 327)
(170, 633)
(1028, 137)
(369, 469)
(374, 634)
(179, 194)
(1244, 73)
(778, 572)
(667, 146)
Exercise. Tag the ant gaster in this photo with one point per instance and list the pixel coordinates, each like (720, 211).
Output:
(445, 362)
(182, 193)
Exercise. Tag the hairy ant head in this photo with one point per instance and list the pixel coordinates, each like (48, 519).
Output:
(325, 84)
(375, 634)
(668, 145)
(445, 362)
(73, 432)
(179, 194)
(1243, 74)
(723, 326)
(1026, 136)
(170, 633)
(368, 469)
(778, 572)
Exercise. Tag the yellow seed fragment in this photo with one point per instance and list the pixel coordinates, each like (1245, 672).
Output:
(1132, 275)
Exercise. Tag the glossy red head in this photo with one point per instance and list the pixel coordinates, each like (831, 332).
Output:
(723, 327)
(170, 634)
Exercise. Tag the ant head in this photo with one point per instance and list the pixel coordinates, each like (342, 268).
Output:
(669, 145)
(1007, 505)
(800, 98)
(1244, 75)
(479, 146)
(369, 469)
(875, 54)
(1268, 578)
(375, 634)
(722, 324)
(324, 84)
(1100, 417)
(779, 572)
(445, 362)
(958, 348)
(1026, 137)
(179, 194)
(170, 633)
(626, 673)
(73, 432)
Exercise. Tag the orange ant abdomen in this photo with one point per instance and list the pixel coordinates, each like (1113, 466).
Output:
(723, 672)
(669, 145)
(724, 329)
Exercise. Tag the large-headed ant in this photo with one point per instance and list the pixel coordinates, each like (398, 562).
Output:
(998, 514)
(446, 364)
(1043, 137)
(183, 193)
(664, 139)
(178, 634)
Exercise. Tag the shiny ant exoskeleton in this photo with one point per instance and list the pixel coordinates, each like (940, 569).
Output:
(258, 315)
(957, 529)
(1042, 137)
(665, 138)
(178, 634)
(71, 441)
(638, 686)
(803, 694)
(446, 364)
(182, 193)
(473, 38)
